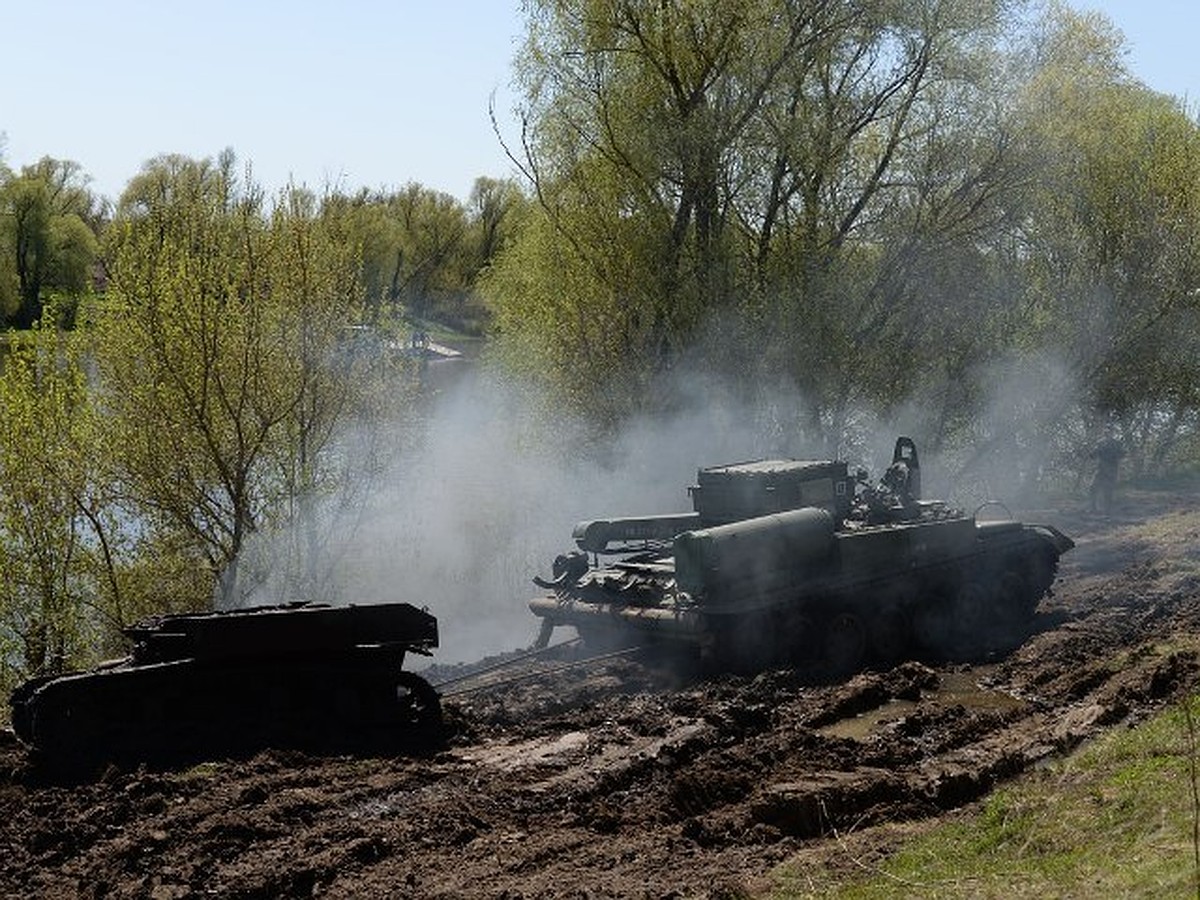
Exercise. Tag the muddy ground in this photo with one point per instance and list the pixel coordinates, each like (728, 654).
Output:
(623, 780)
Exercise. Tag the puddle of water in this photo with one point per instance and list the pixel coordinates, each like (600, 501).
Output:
(963, 688)
(954, 689)
(859, 727)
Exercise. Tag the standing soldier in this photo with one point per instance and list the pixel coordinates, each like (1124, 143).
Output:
(1108, 455)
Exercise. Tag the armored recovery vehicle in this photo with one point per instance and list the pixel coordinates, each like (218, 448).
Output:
(296, 675)
(790, 560)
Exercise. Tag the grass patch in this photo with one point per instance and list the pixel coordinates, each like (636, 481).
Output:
(1116, 819)
(200, 772)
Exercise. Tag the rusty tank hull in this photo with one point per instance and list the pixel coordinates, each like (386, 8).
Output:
(786, 560)
(298, 675)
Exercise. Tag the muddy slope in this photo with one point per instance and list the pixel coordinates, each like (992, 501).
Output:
(622, 780)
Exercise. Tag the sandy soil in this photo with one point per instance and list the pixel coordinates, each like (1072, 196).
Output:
(621, 779)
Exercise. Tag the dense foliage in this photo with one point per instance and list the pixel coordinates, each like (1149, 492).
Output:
(883, 207)
(48, 231)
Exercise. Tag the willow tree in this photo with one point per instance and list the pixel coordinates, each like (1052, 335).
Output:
(59, 583)
(48, 218)
(225, 359)
(417, 254)
(1114, 229)
(634, 116)
(766, 166)
(873, 199)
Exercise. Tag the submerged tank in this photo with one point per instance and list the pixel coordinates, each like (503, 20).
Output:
(299, 675)
(791, 560)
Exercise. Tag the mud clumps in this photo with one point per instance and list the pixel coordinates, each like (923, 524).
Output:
(627, 778)
(871, 690)
(825, 801)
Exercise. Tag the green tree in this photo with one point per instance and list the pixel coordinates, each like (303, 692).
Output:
(48, 217)
(1115, 228)
(780, 169)
(884, 162)
(60, 595)
(223, 356)
(495, 209)
(415, 254)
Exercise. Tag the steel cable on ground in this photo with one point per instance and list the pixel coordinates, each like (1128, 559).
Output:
(532, 654)
(528, 676)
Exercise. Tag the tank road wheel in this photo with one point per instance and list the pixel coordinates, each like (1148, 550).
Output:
(418, 703)
(1042, 568)
(23, 707)
(803, 639)
(890, 635)
(348, 705)
(845, 643)
(758, 640)
(1015, 608)
(1013, 597)
(973, 620)
(933, 623)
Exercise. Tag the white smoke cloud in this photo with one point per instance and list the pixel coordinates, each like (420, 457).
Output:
(489, 491)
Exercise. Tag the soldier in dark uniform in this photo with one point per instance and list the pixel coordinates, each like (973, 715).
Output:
(1108, 455)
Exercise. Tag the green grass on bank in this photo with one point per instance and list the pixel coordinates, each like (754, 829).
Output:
(1116, 819)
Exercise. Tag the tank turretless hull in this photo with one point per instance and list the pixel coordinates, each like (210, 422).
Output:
(790, 560)
(302, 674)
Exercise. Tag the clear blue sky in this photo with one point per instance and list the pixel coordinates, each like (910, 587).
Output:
(1162, 37)
(354, 93)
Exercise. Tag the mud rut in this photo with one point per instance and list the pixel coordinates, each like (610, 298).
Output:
(627, 781)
